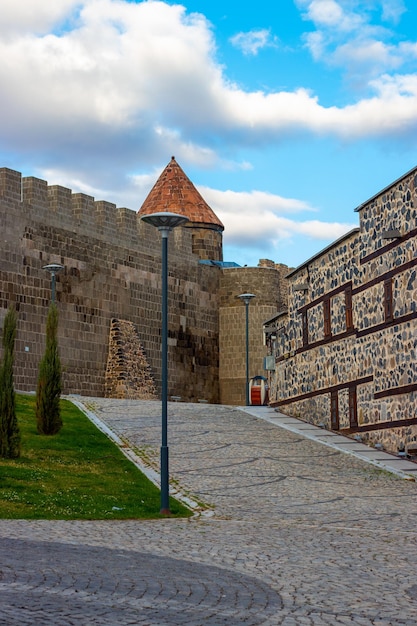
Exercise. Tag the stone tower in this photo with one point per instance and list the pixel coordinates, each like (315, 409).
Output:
(173, 191)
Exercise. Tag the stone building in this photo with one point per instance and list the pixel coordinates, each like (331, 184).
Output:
(109, 292)
(345, 348)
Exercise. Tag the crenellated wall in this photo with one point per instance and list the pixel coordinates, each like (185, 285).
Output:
(112, 264)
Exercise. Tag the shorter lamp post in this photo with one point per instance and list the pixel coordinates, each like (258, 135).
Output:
(246, 298)
(53, 269)
(165, 222)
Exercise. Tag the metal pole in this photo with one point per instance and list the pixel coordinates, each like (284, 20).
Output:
(53, 281)
(247, 352)
(246, 298)
(164, 221)
(164, 444)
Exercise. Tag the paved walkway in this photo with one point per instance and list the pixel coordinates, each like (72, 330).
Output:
(294, 533)
(401, 467)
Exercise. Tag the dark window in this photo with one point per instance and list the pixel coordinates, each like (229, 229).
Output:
(353, 408)
(388, 312)
(348, 309)
(327, 320)
(305, 328)
(334, 407)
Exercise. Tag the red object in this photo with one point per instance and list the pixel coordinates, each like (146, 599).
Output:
(255, 395)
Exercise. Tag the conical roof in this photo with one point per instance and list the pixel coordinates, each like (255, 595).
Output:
(174, 192)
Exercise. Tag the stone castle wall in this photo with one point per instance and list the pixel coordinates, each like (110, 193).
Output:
(347, 355)
(112, 264)
(267, 284)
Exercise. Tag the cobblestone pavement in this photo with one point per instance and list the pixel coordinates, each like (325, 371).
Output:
(295, 533)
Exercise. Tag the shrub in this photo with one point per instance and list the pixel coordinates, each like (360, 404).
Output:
(48, 392)
(9, 428)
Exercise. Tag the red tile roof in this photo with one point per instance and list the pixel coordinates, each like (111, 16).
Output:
(173, 191)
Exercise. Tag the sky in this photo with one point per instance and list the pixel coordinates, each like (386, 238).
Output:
(285, 115)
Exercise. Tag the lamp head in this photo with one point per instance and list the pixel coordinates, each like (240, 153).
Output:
(246, 297)
(164, 221)
(53, 268)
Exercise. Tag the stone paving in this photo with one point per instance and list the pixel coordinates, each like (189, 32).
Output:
(294, 533)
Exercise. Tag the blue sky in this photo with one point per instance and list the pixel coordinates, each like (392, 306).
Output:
(286, 116)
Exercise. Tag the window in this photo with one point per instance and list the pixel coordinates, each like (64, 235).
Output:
(327, 320)
(348, 309)
(305, 328)
(334, 408)
(388, 312)
(353, 407)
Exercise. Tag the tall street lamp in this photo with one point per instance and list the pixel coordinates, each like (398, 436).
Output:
(53, 269)
(246, 298)
(164, 222)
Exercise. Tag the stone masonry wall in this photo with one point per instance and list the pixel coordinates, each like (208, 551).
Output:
(207, 242)
(357, 372)
(266, 283)
(112, 264)
(128, 374)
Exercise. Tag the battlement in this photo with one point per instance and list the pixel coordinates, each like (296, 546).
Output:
(10, 185)
(62, 208)
(111, 271)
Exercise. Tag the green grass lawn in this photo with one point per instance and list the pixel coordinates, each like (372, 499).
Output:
(77, 474)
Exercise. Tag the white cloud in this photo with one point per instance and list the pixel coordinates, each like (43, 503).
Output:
(246, 241)
(322, 231)
(246, 230)
(392, 10)
(34, 16)
(316, 44)
(370, 52)
(258, 202)
(142, 78)
(330, 14)
(348, 35)
(255, 219)
(392, 109)
(251, 42)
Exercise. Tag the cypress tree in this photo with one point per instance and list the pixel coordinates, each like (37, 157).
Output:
(9, 428)
(48, 392)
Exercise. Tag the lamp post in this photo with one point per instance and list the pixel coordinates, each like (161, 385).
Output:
(53, 269)
(164, 222)
(246, 298)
